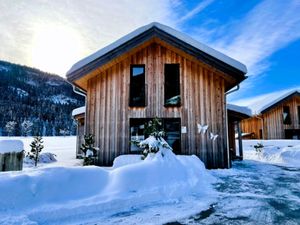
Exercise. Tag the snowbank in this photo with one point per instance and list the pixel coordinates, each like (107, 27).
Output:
(11, 146)
(124, 160)
(46, 157)
(286, 152)
(68, 191)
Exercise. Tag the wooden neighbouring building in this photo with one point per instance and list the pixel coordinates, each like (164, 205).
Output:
(235, 115)
(156, 71)
(275, 117)
(79, 116)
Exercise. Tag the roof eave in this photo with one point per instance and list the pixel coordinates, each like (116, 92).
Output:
(237, 74)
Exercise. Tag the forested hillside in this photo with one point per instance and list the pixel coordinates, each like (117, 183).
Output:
(44, 101)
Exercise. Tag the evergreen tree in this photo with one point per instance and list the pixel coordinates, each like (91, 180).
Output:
(10, 127)
(26, 127)
(89, 151)
(36, 147)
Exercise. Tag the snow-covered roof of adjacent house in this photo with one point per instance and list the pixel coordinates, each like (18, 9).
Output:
(262, 103)
(78, 111)
(240, 109)
(168, 30)
(11, 146)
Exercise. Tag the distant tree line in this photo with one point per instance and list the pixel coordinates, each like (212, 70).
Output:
(38, 103)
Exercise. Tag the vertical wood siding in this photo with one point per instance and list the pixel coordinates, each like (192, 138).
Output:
(202, 92)
(273, 121)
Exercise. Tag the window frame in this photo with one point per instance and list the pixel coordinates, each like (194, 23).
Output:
(288, 120)
(131, 101)
(178, 86)
(298, 111)
(145, 120)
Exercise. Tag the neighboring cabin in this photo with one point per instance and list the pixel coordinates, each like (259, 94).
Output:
(156, 71)
(276, 116)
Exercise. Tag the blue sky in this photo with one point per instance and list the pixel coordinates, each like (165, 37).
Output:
(53, 35)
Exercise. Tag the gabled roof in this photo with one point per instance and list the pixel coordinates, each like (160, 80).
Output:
(167, 34)
(263, 103)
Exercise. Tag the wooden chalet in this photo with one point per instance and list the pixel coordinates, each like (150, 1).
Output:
(277, 116)
(156, 71)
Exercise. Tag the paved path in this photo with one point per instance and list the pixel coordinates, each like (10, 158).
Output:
(254, 193)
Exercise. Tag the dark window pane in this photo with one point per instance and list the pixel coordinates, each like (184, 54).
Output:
(172, 85)
(137, 85)
(137, 127)
(286, 115)
(299, 114)
(172, 128)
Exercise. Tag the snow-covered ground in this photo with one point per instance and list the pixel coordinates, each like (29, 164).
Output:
(62, 147)
(279, 152)
(258, 190)
(148, 191)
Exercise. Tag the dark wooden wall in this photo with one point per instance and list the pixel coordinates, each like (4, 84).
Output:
(202, 95)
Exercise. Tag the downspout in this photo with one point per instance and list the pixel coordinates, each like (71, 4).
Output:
(262, 126)
(81, 92)
(226, 123)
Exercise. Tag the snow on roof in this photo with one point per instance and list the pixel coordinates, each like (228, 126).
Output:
(241, 109)
(260, 103)
(78, 111)
(181, 36)
(11, 146)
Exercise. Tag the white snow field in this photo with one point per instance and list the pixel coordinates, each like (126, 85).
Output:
(62, 147)
(280, 152)
(161, 188)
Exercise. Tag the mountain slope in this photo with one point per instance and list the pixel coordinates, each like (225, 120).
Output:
(45, 99)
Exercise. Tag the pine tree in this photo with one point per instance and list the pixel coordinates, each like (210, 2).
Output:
(154, 128)
(26, 127)
(10, 127)
(36, 147)
(89, 151)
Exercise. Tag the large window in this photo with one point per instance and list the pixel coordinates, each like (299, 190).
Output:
(299, 114)
(286, 115)
(172, 127)
(172, 85)
(137, 85)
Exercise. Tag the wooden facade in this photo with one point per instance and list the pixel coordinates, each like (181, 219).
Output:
(269, 124)
(202, 90)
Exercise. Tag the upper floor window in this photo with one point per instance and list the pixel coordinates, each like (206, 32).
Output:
(286, 115)
(299, 114)
(172, 85)
(137, 85)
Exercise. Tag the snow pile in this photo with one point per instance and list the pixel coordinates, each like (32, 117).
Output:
(46, 157)
(84, 191)
(286, 152)
(124, 160)
(11, 146)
